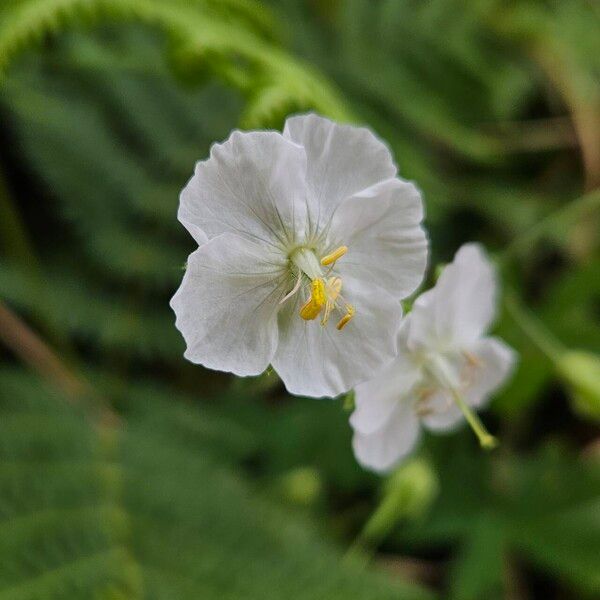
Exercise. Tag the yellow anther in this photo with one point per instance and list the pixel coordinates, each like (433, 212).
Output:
(310, 311)
(317, 288)
(335, 255)
(343, 322)
(350, 311)
(312, 307)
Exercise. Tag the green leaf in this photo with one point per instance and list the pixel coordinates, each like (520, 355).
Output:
(150, 510)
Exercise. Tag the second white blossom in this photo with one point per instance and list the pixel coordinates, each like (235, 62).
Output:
(446, 365)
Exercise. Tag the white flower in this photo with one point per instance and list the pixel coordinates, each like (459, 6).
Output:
(444, 361)
(307, 243)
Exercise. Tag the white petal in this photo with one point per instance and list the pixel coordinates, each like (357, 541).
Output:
(386, 244)
(227, 305)
(462, 305)
(342, 160)
(321, 361)
(385, 448)
(444, 415)
(376, 399)
(485, 367)
(495, 361)
(253, 185)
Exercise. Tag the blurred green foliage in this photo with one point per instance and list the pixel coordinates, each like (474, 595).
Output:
(221, 488)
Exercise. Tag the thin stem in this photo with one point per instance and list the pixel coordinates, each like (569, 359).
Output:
(533, 327)
(486, 439)
(537, 332)
(570, 212)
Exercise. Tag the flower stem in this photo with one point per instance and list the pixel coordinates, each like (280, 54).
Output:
(486, 439)
(570, 212)
(533, 328)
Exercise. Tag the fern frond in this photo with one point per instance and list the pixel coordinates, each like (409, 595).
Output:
(201, 27)
(181, 524)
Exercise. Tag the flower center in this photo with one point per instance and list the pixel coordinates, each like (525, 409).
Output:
(447, 373)
(453, 382)
(325, 289)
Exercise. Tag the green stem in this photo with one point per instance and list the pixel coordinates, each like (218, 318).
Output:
(533, 327)
(523, 317)
(568, 213)
(486, 439)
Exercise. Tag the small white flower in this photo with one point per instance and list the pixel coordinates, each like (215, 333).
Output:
(444, 360)
(307, 243)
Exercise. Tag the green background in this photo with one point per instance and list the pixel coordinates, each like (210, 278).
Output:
(126, 472)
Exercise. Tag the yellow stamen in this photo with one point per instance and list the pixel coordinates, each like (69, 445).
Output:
(311, 309)
(350, 310)
(335, 255)
(318, 291)
(333, 289)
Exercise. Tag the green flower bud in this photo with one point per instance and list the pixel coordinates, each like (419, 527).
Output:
(408, 493)
(581, 371)
(301, 486)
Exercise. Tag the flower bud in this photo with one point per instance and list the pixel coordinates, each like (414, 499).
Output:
(581, 371)
(302, 486)
(408, 493)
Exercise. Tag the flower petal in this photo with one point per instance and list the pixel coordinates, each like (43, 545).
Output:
(386, 244)
(376, 399)
(495, 362)
(321, 361)
(444, 415)
(253, 185)
(486, 365)
(461, 307)
(226, 306)
(342, 160)
(382, 450)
